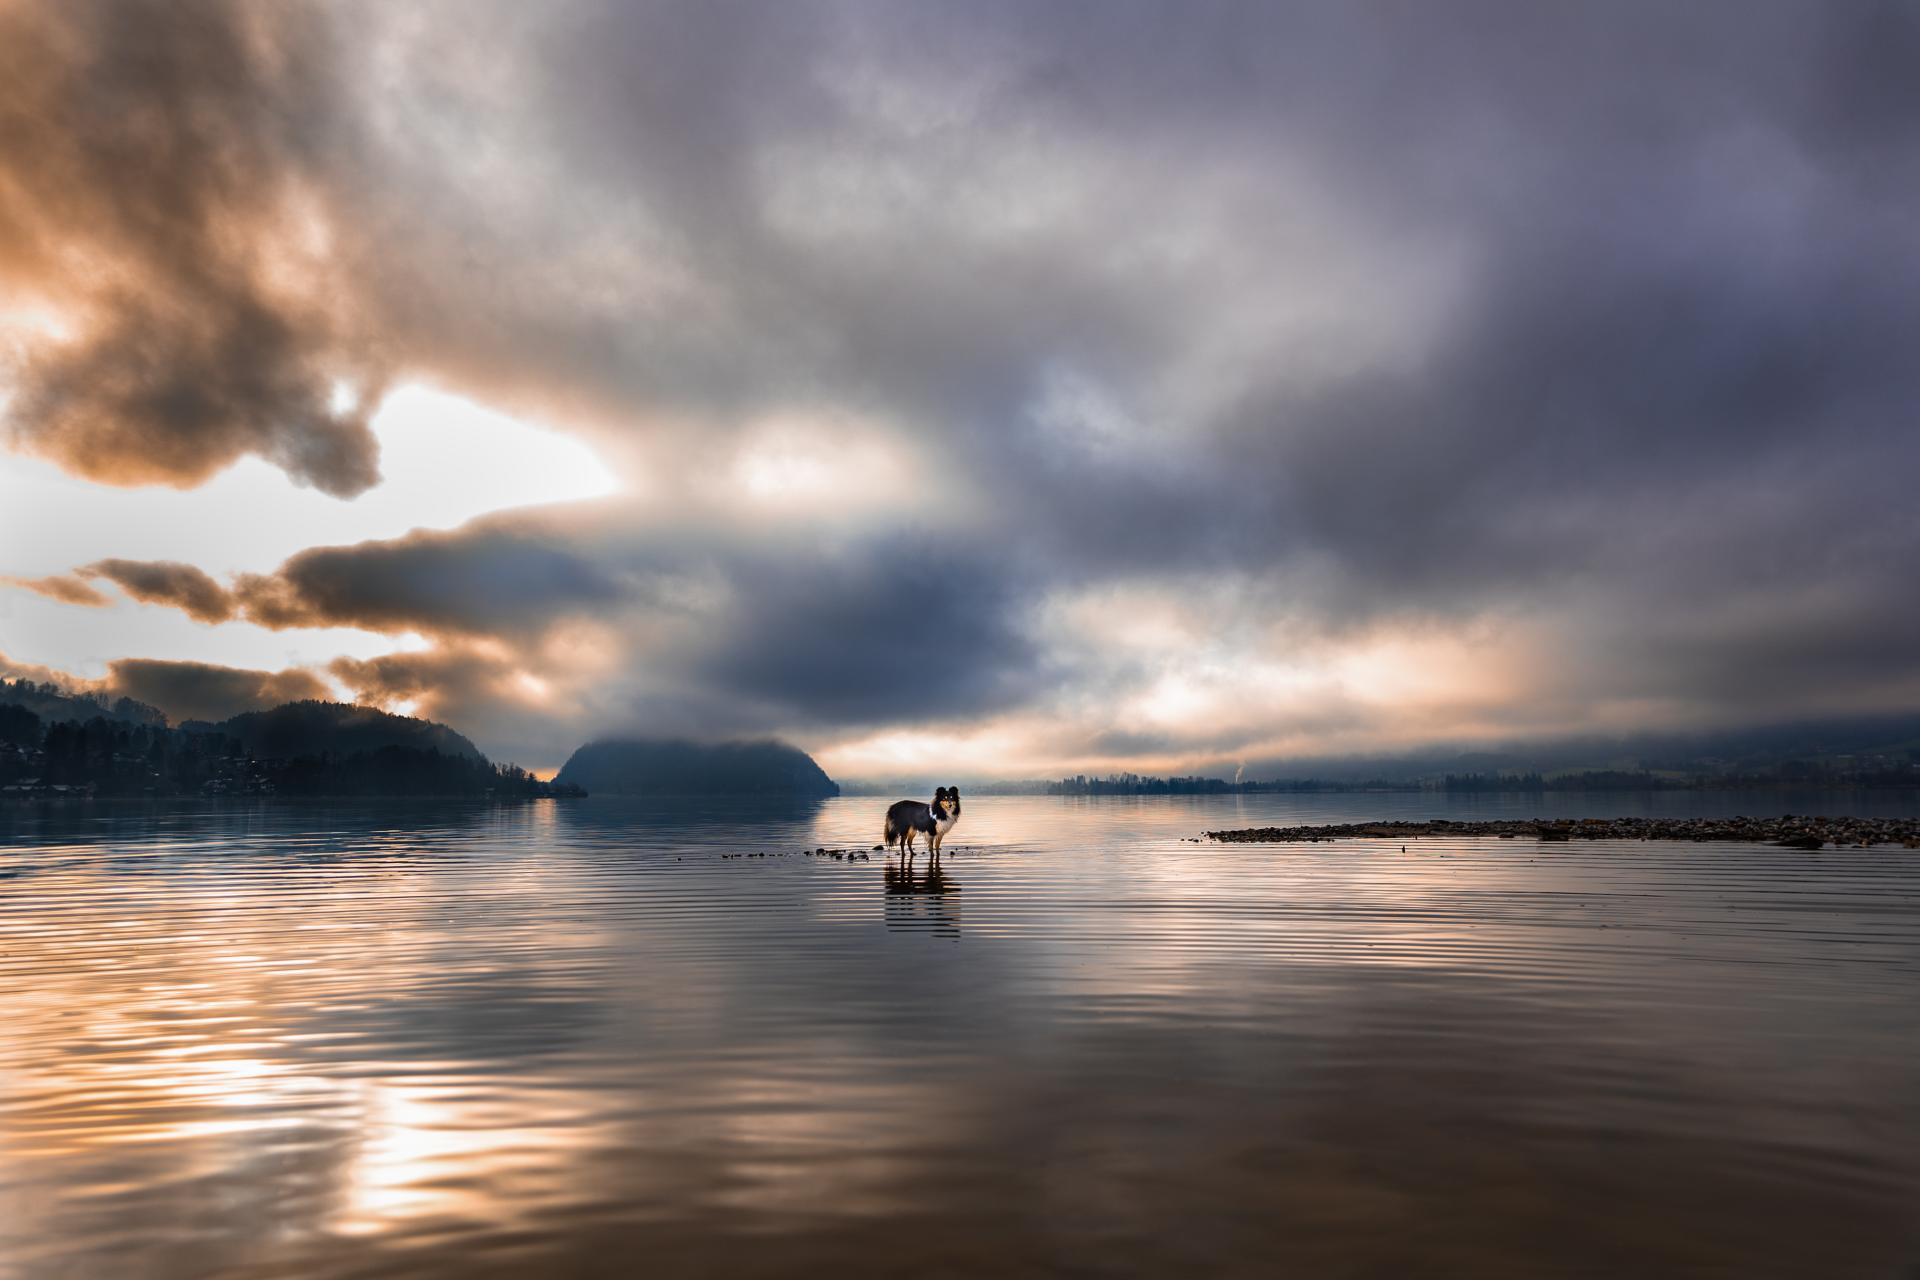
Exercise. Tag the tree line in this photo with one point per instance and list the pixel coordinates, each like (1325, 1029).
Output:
(109, 757)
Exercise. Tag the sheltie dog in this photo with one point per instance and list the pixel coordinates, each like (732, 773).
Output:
(909, 818)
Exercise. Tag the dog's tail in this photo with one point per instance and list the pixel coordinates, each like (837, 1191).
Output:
(888, 835)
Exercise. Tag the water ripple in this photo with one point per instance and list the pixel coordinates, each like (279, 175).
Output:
(366, 1041)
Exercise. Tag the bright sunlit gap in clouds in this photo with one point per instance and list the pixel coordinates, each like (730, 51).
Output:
(797, 465)
(444, 460)
(24, 320)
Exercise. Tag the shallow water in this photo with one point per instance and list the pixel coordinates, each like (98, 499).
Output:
(575, 1038)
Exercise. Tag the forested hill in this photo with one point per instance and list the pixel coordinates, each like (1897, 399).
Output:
(300, 749)
(311, 728)
(50, 703)
(674, 767)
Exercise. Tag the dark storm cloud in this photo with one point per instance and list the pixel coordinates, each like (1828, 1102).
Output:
(1679, 276)
(159, 166)
(202, 691)
(1681, 256)
(1676, 369)
(756, 632)
(183, 586)
(504, 580)
(486, 579)
(878, 634)
(727, 631)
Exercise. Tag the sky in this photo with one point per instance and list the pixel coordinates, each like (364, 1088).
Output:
(991, 390)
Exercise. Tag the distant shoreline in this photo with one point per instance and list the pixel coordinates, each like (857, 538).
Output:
(1901, 784)
(260, 798)
(1789, 830)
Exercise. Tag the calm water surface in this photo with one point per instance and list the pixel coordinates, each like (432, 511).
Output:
(579, 1039)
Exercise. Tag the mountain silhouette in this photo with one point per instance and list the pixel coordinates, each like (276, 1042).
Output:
(677, 767)
(313, 727)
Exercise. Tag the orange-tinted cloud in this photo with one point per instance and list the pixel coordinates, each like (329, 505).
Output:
(67, 588)
(39, 674)
(182, 690)
(169, 582)
(533, 707)
(438, 683)
(157, 166)
(204, 691)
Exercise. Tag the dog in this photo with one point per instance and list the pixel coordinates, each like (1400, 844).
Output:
(907, 819)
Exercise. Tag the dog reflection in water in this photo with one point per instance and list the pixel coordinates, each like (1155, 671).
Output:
(929, 903)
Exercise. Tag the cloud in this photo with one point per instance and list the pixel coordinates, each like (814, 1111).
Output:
(36, 672)
(202, 691)
(64, 587)
(167, 582)
(1574, 339)
(498, 579)
(158, 180)
(485, 579)
(182, 690)
(698, 634)
(489, 692)
(882, 632)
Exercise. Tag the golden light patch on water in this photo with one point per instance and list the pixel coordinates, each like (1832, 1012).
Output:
(445, 1148)
(221, 1032)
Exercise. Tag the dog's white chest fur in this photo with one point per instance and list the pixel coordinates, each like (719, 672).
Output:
(943, 820)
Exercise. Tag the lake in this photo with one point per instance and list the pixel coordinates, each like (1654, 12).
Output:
(583, 1038)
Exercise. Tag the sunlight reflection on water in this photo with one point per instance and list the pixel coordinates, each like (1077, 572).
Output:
(419, 1040)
